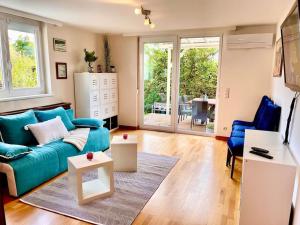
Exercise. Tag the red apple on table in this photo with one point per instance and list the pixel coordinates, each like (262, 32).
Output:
(125, 136)
(89, 155)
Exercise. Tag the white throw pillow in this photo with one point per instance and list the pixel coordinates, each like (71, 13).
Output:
(48, 131)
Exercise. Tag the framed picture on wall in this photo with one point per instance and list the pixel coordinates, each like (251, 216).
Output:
(278, 59)
(61, 70)
(59, 45)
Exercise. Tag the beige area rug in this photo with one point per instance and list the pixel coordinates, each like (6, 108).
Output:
(132, 192)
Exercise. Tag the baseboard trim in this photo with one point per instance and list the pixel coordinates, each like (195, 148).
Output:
(124, 127)
(222, 138)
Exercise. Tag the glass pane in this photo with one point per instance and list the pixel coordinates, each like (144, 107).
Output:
(198, 84)
(157, 83)
(23, 58)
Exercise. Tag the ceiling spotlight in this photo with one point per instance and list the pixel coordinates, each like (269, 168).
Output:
(146, 13)
(146, 21)
(138, 11)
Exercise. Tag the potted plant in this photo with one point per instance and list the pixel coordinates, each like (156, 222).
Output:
(90, 58)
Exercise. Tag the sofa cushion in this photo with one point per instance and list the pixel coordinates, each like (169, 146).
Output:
(242, 128)
(88, 122)
(12, 128)
(71, 114)
(243, 123)
(51, 114)
(10, 152)
(48, 131)
(35, 168)
(237, 133)
(236, 145)
(98, 140)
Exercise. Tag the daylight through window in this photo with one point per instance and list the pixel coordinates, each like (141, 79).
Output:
(21, 71)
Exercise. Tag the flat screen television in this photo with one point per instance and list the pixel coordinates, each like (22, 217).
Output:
(290, 35)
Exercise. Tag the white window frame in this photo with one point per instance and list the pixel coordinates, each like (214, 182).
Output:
(26, 25)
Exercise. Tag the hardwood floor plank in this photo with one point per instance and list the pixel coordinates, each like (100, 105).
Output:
(198, 191)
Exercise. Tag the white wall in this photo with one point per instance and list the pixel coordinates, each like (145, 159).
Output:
(283, 96)
(63, 90)
(124, 55)
(246, 72)
(241, 70)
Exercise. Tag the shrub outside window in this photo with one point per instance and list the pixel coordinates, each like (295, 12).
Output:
(21, 63)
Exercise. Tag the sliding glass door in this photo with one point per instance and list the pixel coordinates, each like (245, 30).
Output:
(157, 82)
(198, 76)
(178, 84)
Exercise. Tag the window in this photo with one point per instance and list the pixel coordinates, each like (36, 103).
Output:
(21, 70)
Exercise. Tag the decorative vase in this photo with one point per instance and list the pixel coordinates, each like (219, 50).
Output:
(112, 69)
(90, 68)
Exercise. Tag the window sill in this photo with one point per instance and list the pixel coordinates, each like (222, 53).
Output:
(10, 99)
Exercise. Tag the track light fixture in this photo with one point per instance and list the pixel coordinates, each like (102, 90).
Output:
(146, 13)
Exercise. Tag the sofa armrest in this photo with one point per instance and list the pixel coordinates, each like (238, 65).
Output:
(88, 122)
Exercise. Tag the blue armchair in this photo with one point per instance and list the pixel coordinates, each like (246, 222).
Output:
(266, 118)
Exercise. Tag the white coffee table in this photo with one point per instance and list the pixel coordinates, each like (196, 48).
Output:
(124, 153)
(87, 191)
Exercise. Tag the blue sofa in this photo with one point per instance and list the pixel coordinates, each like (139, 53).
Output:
(266, 118)
(44, 163)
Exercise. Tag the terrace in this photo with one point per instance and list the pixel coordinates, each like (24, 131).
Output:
(197, 84)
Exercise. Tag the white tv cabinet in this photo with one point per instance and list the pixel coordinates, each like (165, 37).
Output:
(96, 96)
(267, 185)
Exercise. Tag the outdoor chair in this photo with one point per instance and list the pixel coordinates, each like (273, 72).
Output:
(159, 107)
(199, 112)
(184, 108)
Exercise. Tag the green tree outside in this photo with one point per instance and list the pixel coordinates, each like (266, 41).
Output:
(198, 74)
(23, 60)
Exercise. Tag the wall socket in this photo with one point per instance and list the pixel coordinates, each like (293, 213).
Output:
(224, 128)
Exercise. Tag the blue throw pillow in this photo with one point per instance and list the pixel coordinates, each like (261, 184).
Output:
(12, 128)
(270, 119)
(70, 113)
(10, 152)
(88, 122)
(52, 114)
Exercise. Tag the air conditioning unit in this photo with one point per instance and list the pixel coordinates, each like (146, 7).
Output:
(263, 40)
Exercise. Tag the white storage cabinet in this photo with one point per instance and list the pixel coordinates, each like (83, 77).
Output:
(96, 96)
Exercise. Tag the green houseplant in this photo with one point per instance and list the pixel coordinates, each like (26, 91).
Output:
(90, 58)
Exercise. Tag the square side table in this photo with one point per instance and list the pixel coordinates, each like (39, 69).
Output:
(88, 191)
(124, 153)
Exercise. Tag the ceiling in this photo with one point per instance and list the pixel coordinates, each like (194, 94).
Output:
(117, 16)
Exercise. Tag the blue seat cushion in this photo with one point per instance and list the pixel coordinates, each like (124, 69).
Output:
(242, 128)
(98, 140)
(236, 145)
(53, 113)
(237, 133)
(243, 123)
(12, 128)
(35, 168)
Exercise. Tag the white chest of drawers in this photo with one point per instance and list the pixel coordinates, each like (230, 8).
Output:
(267, 185)
(96, 96)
